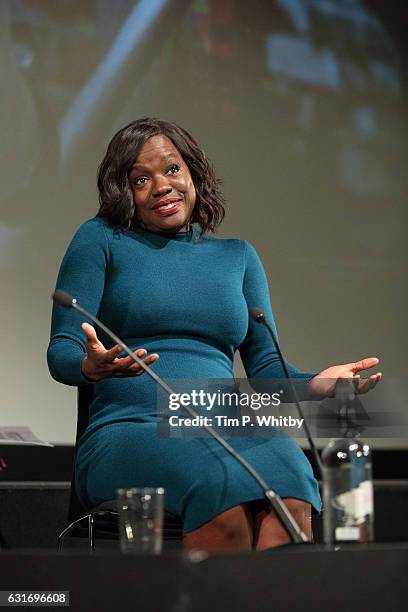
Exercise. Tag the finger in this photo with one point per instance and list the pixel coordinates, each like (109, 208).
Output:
(372, 384)
(135, 369)
(126, 362)
(113, 352)
(377, 377)
(362, 387)
(367, 384)
(91, 338)
(148, 361)
(130, 368)
(374, 380)
(364, 364)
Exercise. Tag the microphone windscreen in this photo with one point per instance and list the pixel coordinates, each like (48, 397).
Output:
(62, 298)
(256, 313)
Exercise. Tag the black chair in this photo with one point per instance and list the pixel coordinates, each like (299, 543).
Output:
(101, 522)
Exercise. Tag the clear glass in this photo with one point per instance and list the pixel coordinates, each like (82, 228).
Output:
(141, 514)
(348, 508)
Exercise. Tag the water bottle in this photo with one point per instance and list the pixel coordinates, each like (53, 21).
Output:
(348, 504)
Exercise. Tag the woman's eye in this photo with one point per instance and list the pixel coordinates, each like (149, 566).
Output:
(140, 180)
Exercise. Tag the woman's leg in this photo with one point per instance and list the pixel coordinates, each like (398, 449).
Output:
(268, 530)
(230, 531)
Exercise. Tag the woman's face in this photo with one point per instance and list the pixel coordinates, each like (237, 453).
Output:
(163, 190)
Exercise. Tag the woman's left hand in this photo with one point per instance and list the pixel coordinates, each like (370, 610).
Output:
(324, 384)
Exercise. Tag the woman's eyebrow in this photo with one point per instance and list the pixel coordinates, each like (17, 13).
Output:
(165, 157)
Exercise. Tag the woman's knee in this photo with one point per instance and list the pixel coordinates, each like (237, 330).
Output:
(230, 530)
(234, 524)
(302, 513)
(269, 531)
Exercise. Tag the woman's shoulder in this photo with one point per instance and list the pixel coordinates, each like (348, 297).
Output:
(93, 229)
(235, 245)
(225, 242)
(94, 224)
(91, 234)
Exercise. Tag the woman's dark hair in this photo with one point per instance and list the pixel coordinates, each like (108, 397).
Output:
(115, 193)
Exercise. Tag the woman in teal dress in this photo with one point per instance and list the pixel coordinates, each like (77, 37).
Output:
(151, 268)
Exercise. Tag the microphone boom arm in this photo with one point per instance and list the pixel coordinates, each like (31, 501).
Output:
(259, 317)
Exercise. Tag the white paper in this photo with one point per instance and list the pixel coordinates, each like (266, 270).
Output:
(20, 435)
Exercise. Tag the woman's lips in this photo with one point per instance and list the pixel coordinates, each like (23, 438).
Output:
(169, 209)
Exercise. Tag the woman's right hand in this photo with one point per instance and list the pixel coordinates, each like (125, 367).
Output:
(102, 363)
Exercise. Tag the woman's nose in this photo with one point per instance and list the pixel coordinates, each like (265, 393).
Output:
(161, 186)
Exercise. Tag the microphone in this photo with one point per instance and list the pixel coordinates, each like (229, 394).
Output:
(292, 528)
(63, 298)
(258, 316)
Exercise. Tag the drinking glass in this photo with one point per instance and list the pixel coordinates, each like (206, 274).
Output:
(141, 513)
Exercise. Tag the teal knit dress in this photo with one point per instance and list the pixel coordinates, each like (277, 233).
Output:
(185, 298)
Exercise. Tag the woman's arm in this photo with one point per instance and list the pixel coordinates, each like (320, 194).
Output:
(261, 360)
(75, 355)
(258, 352)
(82, 274)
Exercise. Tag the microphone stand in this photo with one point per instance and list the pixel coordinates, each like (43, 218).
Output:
(258, 316)
(291, 527)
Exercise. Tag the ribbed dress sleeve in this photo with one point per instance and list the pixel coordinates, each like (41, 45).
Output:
(258, 353)
(82, 274)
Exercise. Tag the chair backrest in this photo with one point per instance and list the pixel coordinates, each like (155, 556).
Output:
(85, 395)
